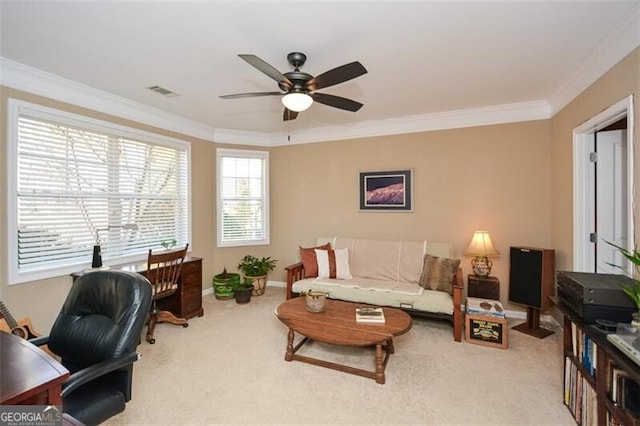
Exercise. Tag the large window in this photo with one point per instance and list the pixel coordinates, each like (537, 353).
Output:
(243, 197)
(76, 182)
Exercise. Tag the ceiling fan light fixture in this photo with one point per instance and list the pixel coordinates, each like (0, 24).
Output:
(297, 101)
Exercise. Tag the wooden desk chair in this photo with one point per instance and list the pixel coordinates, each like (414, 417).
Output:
(163, 271)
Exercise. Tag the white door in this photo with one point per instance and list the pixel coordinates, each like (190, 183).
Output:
(611, 199)
(610, 213)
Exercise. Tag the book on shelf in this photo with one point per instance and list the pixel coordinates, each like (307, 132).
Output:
(372, 314)
(631, 396)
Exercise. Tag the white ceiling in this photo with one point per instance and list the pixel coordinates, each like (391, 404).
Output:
(431, 64)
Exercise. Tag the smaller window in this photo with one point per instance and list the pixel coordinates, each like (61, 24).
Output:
(243, 197)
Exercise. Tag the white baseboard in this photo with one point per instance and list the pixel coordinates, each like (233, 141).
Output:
(545, 320)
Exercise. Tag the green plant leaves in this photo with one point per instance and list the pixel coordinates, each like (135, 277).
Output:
(633, 256)
(256, 267)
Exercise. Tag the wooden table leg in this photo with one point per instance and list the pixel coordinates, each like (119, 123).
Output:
(379, 365)
(390, 347)
(288, 356)
(54, 395)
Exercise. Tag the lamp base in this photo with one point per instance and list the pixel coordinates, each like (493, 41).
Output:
(481, 266)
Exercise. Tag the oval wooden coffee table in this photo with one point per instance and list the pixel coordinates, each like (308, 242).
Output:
(337, 325)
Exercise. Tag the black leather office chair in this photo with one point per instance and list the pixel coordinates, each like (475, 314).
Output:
(95, 335)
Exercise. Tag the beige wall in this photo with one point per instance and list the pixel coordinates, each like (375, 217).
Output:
(495, 178)
(618, 83)
(514, 180)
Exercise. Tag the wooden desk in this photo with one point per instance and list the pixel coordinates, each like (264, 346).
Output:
(187, 302)
(28, 375)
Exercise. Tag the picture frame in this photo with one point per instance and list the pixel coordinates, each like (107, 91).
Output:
(386, 190)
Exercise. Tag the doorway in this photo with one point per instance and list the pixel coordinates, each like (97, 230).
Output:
(611, 195)
(603, 189)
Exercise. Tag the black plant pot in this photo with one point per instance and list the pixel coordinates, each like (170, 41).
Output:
(243, 295)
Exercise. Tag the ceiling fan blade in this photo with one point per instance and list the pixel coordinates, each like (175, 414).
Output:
(250, 95)
(289, 115)
(336, 76)
(337, 101)
(267, 69)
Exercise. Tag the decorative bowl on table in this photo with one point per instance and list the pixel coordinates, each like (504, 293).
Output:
(316, 301)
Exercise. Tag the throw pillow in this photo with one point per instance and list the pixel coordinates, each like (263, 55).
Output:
(438, 273)
(309, 260)
(333, 264)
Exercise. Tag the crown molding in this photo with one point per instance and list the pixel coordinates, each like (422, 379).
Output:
(37, 82)
(497, 114)
(617, 44)
(241, 137)
(32, 80)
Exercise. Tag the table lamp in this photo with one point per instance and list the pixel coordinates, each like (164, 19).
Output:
(482, 248)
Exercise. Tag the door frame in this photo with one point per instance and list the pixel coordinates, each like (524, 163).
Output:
(584, 181)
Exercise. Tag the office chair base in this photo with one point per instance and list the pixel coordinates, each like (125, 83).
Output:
(163, 316)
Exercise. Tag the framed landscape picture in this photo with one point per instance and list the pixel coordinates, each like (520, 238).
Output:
(386, 190)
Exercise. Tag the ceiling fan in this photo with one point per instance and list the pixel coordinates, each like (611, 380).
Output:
(299, 87)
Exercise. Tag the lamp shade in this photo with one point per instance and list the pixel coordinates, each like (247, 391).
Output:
(297, 101)
(481, 245)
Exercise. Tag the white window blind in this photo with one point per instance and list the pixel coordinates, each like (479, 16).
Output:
(81, 182)
(243, 197)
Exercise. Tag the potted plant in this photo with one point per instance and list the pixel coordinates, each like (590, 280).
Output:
(242, 291)
(255, 270)
(633, 290)
(169, 244)
(224, 284)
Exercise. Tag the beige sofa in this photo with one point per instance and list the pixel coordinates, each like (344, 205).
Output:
(387, 273)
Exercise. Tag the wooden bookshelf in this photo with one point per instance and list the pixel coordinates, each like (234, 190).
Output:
(590, 362)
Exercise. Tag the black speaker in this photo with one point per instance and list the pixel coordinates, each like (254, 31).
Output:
(531, 282)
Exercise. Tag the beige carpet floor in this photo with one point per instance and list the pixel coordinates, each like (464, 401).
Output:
(228, 367)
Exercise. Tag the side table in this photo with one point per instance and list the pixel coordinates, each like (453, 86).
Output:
(484, 288)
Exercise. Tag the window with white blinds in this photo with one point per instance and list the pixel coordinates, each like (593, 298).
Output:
(77, 182)
(243, 197)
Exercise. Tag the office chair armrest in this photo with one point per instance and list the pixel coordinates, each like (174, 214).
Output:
(92, 372)
(39, 341)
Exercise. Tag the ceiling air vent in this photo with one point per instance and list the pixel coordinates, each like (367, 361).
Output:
(162, 91)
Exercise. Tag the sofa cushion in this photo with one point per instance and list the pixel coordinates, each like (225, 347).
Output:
(333, 263)
(427, 300)
(373, 285)
(410, 259)
(439, 249)
(309, 260)
(374, 259)
(438, 273)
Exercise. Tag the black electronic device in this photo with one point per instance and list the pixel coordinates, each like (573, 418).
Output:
(596, 296)
(531, 274)
(606, 325)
